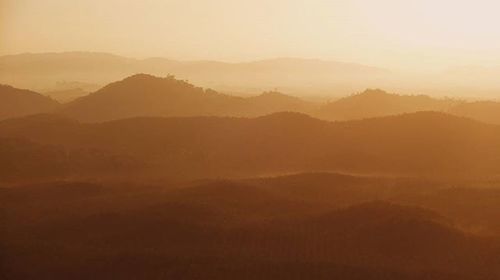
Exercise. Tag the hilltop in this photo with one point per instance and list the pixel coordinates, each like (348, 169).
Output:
(19, 102)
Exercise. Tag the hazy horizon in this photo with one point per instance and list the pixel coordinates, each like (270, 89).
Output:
(227, 61)
(422, 37)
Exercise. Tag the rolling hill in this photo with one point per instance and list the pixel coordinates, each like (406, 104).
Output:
(377, 103)
(146, 95)
(24, 161)
(425, 143)
(18, 102)
(224, 229)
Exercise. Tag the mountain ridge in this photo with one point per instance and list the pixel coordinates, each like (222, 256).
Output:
(18, 102)
(41, 72)
(423, 143)
(148, 95)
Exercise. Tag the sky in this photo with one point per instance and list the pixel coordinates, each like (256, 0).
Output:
(401, 34)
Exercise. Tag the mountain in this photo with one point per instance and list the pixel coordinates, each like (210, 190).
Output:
(19, 102)
(424, 143)
(376, 103)
(473, 208)
(377, 225)
(485, 111)
(44, 71)
(146, 95)
(143, 95)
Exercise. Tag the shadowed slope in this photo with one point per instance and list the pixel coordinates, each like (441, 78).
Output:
(145, 95)
(18, 102)
(376, 103)
(24, 161)
(423, 143)
(236, 228)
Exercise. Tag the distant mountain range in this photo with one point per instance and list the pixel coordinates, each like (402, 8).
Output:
(89, 71)
(46, 72)
(145, 95)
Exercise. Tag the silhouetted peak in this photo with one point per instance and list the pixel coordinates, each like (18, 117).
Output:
(373, 93)
(147, 79)
(367, 96)
(143, 83)
(6, 87)
(379, 94)
(141, 77)
(376, 91)
(273, 94)
(16, 102)
(10, 90)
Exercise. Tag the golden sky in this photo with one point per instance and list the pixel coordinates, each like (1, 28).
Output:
(415, 35)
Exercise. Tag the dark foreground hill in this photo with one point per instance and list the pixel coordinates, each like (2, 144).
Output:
(230, 229)
(18, 102)
(426, 143)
